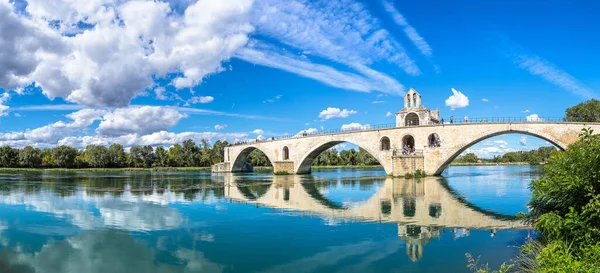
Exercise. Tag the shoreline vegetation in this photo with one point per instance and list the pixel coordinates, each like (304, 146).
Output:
(564, 209)
(162, 169)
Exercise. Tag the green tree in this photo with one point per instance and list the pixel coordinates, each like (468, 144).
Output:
(258, 158)
(327, 158)
(588, 111)
(206, 156)
(136, 157)
(97, 156)
(469, 158)
(348, 157)
(218, 151)
(162, 159)
(64, 156)
(147, 155)
(565, 203)
(191, 153)
(30, 157)
(9, 157)
(117, 155)
(175, 156)
(47, 159)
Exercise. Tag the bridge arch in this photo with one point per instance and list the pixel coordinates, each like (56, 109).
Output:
(464, 146)
(242, 156)
(307, 160)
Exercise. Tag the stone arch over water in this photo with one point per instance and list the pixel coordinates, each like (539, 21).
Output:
(240, 159)
(463, 147)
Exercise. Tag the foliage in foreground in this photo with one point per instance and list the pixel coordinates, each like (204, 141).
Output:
(565, 210)
(565, 203)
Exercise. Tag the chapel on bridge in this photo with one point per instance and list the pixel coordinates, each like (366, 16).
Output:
(414, 113)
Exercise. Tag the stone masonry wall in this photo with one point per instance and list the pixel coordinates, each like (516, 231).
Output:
(402, 165)
(283, 166)
(221, 167)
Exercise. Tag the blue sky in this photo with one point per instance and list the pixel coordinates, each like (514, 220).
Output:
(155, 73)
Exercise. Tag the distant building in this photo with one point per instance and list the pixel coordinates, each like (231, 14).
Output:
(414, 114)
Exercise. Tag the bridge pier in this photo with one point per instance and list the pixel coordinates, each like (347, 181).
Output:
(404, 164)
(224, 167)
(283, 167)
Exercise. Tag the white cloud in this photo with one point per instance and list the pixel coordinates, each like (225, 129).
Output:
(258, 132)
(388, 114)
(128, 43)
(534, 117)
(51, 107)
(198, 111)
(331, 112)
(138, 120)
(372, 81)
(377, 102)
(410, 31)
(201, 99)
(488, 152)
(3, 108)
(17, 115)
(523, 141)
(457, 100)
(340, 30)
(160, 93)
(485, 100)
(526, 111)
(549, 72)
(260, 138)
(498, 143)
(355, 126)
(220, 126)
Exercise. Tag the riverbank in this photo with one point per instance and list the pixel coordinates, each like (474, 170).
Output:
(493, 164)
(157, 169)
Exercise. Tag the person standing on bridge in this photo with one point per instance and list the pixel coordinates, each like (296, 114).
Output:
(466, 119)
(451, 119)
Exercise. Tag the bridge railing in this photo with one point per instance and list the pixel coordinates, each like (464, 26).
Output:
(446, 121)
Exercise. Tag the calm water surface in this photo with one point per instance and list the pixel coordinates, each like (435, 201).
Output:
(344, 220)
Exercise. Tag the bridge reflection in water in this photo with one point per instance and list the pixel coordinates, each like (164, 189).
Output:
(422, 208)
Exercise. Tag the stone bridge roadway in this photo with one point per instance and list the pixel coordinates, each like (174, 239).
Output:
(425, 203)
(295, 155)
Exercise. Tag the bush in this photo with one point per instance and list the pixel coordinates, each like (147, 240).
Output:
(419, 174)
(565, 203)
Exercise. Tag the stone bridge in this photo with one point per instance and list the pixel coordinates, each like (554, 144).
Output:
(435, 146)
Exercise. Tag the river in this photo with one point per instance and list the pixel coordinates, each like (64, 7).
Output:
(340, 220)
